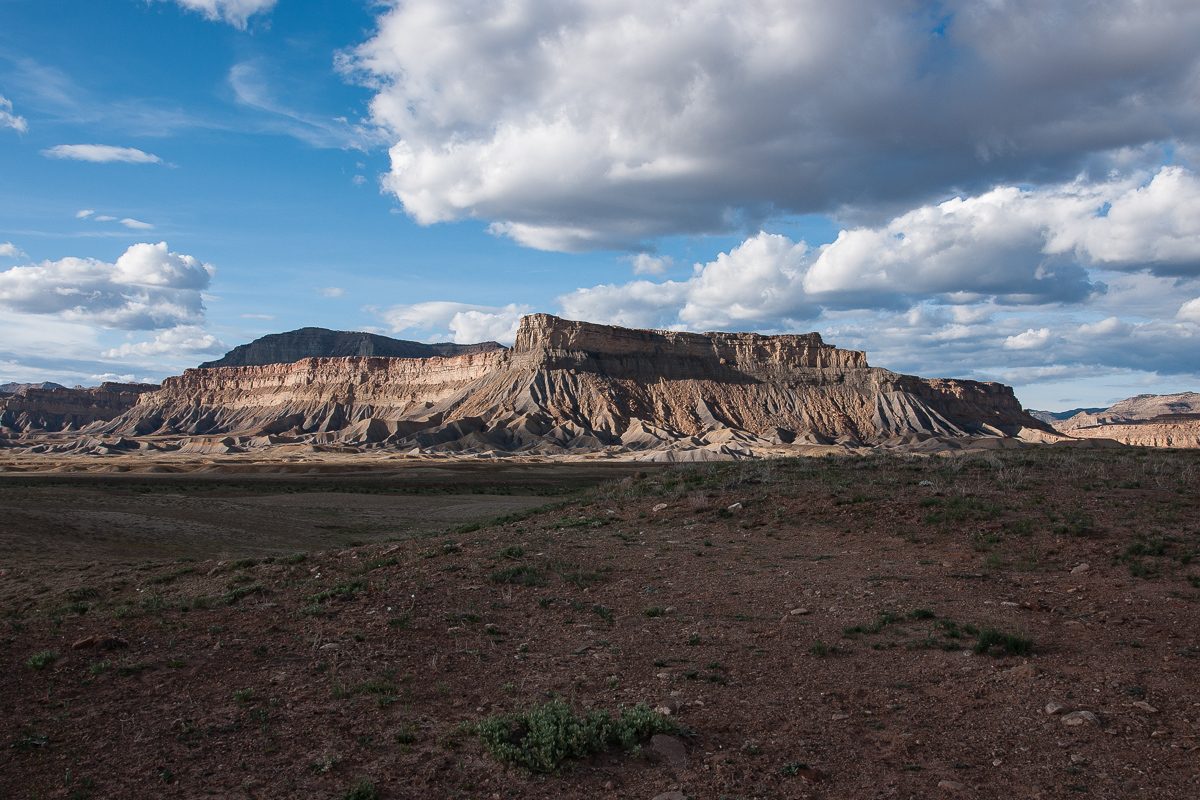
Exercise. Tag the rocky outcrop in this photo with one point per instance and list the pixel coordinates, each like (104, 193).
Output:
(1147, 420)
(577, 387)
(290, 347)
(1133, 410)
(60, 409)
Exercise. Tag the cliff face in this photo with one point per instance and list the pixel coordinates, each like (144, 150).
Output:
(1134, 410)
(60, 409)
(290, 347)
(573, 385)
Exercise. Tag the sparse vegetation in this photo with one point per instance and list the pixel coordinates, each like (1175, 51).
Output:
(541, 739)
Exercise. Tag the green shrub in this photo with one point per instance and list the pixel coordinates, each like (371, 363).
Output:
(294, 558)
(1000, 643)
(512, 552)
(522, 574)
(39, 661)
(541, 739)
(363, 790)
(231, 597)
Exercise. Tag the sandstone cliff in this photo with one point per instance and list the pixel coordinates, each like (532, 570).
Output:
(572, 386)
(60, 409)
(1147, 420)
(290, 347)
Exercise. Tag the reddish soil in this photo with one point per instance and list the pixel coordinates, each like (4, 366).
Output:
(740, 620)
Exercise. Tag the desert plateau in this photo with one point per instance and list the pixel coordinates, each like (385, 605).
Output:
(601, 563)
(599, 400)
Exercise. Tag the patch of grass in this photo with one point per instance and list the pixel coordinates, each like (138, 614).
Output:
(39, 661)
(921, 613)
(522, 574)
(819, 650)
(234, 595)
(375, 563)
(294, 558)
(82, 593)
(653, 611)
(345, 590)
(160, 580)
(1000, 643)
(576, 575)
(542, 739)
(100, 667)
(243, 695)
(132, 669)
(243, 563)
(407, 735)
(512, 552)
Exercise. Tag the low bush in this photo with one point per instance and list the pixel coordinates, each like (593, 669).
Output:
(543, 738)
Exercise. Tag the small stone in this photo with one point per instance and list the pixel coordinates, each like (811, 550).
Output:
(663, 676)
(1078, 759)
(951, 786)
(1084, 567)
(664, 710)
(735, 507)
(925, 483)
(841, 716)
(1076, 718)
(1023, 671)
(659, 507)
(111, 643)
(997, 762)
(84, 644)
(670, 748)
(1054, 707)
(1144, 706)
(1160, 734)
(670, 796)
(798, 612)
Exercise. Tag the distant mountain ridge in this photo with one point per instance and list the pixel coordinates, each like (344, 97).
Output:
(293, 346)
(1148, 420)
(17, 388)
(1051, 417)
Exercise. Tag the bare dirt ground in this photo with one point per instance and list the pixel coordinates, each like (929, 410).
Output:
(1023, 624)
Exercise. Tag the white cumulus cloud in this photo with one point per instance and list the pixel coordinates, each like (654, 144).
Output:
(1190, 311)
(177, 341)
(9, 119)
(461, 323)
(84, 213)
(646, 264)
(235, 12)
(136, 225)
(10, 250)
(101, 154)
(585, 124)
(1029, 340)
(147, 288)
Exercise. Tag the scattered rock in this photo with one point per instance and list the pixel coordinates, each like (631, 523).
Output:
(659, 507)
(1076, 718)
(951, 786)
(841, 716)
(670, 796)
(111, 643)
(735, 507)
(798, 611)
(1084, 567)
(1078, 759)
(84, 644)
(1144, 706)
(1054, 707)
(670, 748)
(810, 775)
(925, 483)
(1023, 671)
(663, 676)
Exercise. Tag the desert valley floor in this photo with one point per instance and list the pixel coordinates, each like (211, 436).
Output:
(1023, 623)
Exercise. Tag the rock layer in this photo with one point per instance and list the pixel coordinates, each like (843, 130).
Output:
(60, 409)
(573, 386)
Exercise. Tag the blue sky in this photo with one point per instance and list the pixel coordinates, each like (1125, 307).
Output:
(1003, 193)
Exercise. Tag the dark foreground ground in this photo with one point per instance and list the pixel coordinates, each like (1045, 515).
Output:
(816, 628)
